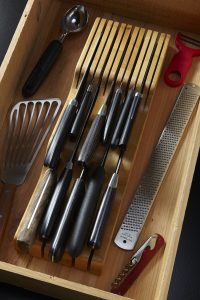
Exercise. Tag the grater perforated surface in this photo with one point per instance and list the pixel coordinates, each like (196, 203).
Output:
(133, 222)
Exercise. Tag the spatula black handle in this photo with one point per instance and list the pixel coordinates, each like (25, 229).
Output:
(55, 203)
(53, 152)
(93, 138)
(42, 68)
(66, 222)
(122, 118)
(86, 212)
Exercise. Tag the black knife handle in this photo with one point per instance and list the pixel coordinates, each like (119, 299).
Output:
(66, 222)
(53, 152)
(122, 119)
(98, 230)
(42, 68)
(80, 231)
(85, 106)
(129, 123)
(112, 115)
(55, 203)
(92, 140)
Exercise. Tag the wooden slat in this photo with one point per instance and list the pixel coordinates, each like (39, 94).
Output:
(86, 53)
(134, 55)
(146, 61)
(137, 70)
(157, 73)
(114, 51)
(120, 53)
(127, 56)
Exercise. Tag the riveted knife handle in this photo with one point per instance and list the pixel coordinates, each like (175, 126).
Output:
(122, 119)
(112, 115)
(53, 152)
(130, 120)
(56, 202)
(66, 221)
(92, 140)
(28, 227)
(86, 212)
(83, 111)
(99, 226)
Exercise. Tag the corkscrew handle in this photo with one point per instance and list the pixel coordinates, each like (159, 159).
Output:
(136, 264)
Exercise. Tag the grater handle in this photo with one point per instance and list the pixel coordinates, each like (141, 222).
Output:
(7, 194)
(42, 68)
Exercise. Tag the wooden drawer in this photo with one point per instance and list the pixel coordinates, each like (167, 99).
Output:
(38, 25)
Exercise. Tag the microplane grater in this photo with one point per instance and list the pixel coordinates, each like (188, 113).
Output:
(139, 208)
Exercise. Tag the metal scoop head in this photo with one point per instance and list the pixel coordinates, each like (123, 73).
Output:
(75, 19)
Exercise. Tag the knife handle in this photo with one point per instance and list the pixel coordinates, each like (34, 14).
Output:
(28, 227)
(97, 233)
(79, 232)
(112, 115)
(82, 113)
(93, 138)
(129, 122)
(55, 203)
(122, 119)
(42, 68)
(66, 221)
(53, 152)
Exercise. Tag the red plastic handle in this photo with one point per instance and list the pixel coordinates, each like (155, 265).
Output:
(180, 63)
(147, 255)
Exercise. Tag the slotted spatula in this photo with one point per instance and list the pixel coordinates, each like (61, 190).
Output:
(29, 124)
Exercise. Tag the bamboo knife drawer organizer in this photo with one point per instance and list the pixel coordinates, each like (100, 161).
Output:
(40, 24)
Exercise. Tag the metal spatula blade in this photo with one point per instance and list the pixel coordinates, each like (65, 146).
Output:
(29, 124)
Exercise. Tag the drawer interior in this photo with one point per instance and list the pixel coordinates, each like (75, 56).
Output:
(166, 216)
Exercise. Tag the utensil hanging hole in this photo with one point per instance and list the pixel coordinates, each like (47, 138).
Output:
(124, 241)
(175, 76)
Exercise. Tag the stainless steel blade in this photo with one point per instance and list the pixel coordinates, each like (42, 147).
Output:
(29, 124)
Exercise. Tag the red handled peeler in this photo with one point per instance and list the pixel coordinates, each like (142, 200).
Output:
(182, 60)
(136, 264)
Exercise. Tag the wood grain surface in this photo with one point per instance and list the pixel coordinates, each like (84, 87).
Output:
(168, 210)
